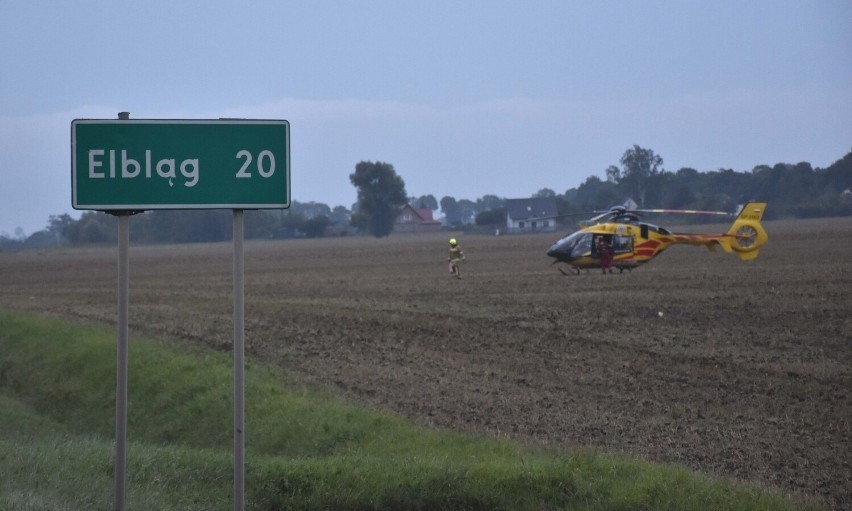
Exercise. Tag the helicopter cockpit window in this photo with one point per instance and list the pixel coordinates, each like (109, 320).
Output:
(574, 245)
(583, 245)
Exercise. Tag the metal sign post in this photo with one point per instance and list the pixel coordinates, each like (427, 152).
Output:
(239, 365)
(121, 356)
(121, 362)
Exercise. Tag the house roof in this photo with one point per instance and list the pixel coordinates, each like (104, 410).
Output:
(421, 215)
(424, 213)
(538, 207)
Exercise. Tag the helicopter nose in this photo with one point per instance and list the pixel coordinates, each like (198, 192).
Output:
(556, 251)
(561, 249)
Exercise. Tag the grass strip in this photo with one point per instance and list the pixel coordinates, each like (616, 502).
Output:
(305, 449)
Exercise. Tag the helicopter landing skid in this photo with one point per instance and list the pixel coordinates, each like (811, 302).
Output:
(574, 271)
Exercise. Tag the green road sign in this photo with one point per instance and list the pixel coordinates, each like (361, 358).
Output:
(180, 164)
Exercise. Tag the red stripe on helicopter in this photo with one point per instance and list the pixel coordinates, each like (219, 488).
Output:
(648, 244)
(646, 249)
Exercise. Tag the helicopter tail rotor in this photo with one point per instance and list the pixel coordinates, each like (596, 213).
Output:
(746, 235)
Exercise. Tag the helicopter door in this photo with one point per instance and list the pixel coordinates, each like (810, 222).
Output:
(644, 229)
(622, 244)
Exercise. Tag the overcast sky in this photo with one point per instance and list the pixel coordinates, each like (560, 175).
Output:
(463, 98)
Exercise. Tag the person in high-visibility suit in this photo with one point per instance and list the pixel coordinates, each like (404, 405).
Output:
(604, 249)
(456, 256)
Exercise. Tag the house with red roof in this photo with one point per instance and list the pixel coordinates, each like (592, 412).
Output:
(411, 219)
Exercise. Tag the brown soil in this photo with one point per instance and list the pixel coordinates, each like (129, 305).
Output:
(745, 374)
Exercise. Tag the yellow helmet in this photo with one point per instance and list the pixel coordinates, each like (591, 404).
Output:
(453, 241)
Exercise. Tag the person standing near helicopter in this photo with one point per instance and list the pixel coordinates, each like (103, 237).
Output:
(454, 258)
(604, 248)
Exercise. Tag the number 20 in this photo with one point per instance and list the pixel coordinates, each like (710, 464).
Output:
(265, 163)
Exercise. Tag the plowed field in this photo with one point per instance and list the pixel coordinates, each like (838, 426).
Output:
(747, 372)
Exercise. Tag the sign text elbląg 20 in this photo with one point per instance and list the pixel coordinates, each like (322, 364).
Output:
(180, 164)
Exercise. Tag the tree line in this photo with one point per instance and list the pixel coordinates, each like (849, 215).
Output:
(792, 190)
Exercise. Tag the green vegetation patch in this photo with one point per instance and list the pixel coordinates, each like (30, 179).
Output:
(305, 450)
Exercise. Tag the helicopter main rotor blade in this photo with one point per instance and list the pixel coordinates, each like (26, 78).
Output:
(684, 212)
(602, 215)
(621, 210)
(568, 215)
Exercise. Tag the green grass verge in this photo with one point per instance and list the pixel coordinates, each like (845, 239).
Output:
(305, 450)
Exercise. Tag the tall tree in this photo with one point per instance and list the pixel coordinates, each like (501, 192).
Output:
(340, 215)
(450, 208)
(424, 201)
(311, 209)
(595, 194)
(492, 217)
(381, 192)
(467, 211)
(58, 225)
(315, 227)
(639, 166)
(489, 202)
(613, 174)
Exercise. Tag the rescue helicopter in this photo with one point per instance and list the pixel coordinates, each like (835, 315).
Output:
(634, 242)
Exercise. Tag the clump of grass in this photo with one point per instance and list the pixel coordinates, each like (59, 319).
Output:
(305, 450)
